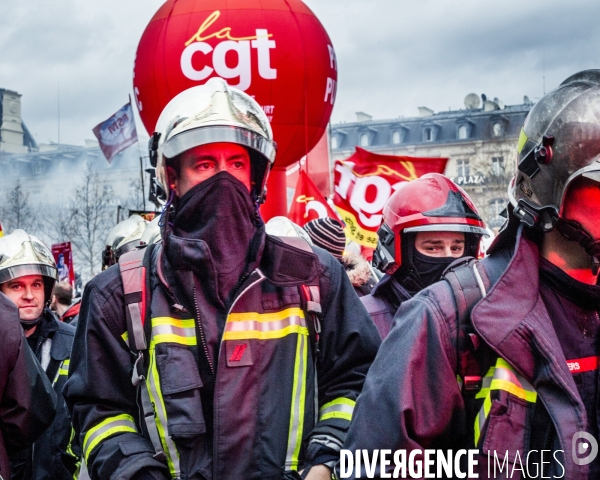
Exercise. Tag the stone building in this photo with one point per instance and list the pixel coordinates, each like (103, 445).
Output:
(50, 172)
(480, 142)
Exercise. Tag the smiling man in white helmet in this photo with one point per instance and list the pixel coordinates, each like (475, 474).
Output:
(248, 363)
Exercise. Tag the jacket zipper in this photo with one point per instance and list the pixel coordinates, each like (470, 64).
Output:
(202, 335)
(248, 287)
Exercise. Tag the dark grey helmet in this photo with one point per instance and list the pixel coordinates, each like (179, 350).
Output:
(559, 142)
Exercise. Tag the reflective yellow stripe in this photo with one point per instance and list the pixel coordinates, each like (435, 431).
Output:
(107, 428)
(522, 140)
(173, 330)
(125, 337)
(298, 404)
(265, 326)
(339, 408)
(265, 317)
(63, 369)
(501, 377)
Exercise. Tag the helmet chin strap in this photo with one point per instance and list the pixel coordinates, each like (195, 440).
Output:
(573, 231)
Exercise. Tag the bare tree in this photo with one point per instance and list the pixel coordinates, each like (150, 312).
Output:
(88, 220)
(17, 211)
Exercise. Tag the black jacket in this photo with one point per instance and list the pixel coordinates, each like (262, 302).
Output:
(237, 388)
(27, 401)
(418, 403)
(53, 456)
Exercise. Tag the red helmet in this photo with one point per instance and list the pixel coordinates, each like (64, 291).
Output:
(432, 202)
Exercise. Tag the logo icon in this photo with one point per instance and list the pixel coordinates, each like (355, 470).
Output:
(586, 450)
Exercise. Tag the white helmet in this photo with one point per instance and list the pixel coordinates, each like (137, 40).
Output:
(124, 237)
(152, 232)
(210, 113)
(284, 227)
(22, 254)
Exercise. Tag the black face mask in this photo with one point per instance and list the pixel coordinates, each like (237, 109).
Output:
(430, 269)
(215, 221)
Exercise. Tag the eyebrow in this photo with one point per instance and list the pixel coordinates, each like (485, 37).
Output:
(440, 242)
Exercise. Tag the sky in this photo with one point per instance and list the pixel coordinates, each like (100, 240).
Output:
(393, 55)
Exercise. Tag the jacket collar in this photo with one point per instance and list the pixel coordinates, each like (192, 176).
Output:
(514, 322)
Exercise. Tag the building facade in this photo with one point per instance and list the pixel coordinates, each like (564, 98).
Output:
(480, 142)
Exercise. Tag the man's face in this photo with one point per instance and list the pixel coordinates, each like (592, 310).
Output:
(440, 244)
(204, 161)
(27, 293)
(582, 204)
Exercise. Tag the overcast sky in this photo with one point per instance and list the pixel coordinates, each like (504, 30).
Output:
(393, 55)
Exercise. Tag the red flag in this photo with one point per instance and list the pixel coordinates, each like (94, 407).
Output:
(364, 183)
(117, 133)
(309, 203)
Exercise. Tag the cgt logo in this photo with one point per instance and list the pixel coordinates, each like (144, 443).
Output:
(585, 448)
(242, 46)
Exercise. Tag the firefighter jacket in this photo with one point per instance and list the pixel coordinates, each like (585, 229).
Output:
(52, 456)
(418, 404)
(27, 401)
(236, 392)
(383, 301)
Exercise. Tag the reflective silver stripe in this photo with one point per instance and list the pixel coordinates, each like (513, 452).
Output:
(173, 330)
(265, 326)
(107, 428)
(339, 408)
(298, 405)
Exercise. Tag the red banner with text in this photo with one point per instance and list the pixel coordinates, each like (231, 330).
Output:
(365, 181)
(308, 203)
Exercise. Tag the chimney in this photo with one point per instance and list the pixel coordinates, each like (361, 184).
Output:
(363, 117)
(425, 112)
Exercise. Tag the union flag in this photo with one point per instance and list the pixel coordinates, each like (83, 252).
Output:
(309, 203)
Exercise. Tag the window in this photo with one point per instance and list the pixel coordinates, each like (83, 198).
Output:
(396, 137)
(462, 132)
(364, 140)
(497, 166)
(427, 135)
(496, 207)
(462, 168)
(334, 142)
(497, 129)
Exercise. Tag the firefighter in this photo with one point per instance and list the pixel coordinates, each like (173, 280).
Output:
(427, 224)
(124, 237)
(249, 362)
(27, 400)
(27, 277)
(502, 356)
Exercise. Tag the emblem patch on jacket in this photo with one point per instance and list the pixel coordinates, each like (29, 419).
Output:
(239, 353)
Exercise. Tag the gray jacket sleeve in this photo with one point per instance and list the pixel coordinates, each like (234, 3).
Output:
(411, 398)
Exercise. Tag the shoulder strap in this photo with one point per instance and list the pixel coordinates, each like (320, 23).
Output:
(133, 275)
(469, 283)
(310, 296)
(133, 266)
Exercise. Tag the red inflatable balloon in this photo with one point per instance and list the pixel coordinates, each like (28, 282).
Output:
(274, 50)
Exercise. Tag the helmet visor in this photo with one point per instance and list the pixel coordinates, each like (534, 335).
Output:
(10, 273)
(448, 228)
(189, 139)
